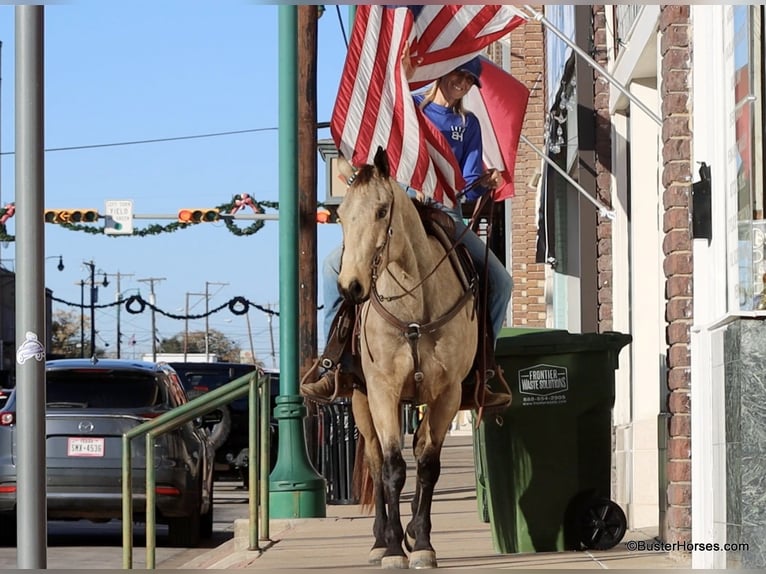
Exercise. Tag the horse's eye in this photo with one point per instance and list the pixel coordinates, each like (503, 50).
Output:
(382, 212)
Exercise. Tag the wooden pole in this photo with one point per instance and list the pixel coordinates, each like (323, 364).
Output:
(307, 200)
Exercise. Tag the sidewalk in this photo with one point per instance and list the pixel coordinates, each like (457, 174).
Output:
(343, 539)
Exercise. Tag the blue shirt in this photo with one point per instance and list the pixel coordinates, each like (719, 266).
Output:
(463, 133)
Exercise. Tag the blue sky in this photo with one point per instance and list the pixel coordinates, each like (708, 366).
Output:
(122, 72)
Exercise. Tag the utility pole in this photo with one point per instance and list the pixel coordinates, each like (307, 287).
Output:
(186, 323)
(271, 337)
(151, 281)
(207, 318)
(93, 299)
(118, 296)
(81, 283)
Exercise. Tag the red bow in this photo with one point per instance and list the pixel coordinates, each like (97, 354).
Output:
(243, 200)
(10, 210)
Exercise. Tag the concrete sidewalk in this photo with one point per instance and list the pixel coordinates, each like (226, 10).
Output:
(343, 539)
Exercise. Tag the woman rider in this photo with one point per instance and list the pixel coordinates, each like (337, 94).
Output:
(442, 104)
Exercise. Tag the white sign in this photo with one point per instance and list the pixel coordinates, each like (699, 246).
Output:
(119, 217)
(543, 384)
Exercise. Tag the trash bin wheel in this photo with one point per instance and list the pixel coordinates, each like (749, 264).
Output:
(602, 524)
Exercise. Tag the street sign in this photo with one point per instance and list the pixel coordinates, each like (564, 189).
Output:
(119, 217)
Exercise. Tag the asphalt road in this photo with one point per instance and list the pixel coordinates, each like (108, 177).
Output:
(86, 545)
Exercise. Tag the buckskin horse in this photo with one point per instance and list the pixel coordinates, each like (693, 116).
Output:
(417, 338)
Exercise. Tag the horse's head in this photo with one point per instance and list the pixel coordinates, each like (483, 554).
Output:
(366, 217)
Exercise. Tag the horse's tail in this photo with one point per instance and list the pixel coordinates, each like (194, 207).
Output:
(361, 482)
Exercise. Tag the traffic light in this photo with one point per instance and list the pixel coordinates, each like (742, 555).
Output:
(71, 215)
(198, 215)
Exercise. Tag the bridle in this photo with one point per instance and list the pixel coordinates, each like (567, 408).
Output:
(412, 331)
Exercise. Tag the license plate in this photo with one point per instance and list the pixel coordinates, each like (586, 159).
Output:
(82, 446)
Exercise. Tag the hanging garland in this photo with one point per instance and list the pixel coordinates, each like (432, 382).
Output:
(238, 202)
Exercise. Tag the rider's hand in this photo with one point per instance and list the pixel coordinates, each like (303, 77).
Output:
(492, 179)
(407, 63)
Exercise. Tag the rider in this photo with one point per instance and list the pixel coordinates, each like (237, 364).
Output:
(442, 104)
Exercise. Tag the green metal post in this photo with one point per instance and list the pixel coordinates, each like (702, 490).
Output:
(127, 505)
(254, 455)
(151, 513)
(264, 456)
(296, 490)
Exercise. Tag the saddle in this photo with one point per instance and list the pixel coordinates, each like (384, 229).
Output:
(340, 349)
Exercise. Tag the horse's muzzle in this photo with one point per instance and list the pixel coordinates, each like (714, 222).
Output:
(355, 293)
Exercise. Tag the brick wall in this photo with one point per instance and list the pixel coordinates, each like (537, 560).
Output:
(676, 54)
(603, 171)
(527, 65)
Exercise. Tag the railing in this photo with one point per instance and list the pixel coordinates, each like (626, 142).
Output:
(257, 386)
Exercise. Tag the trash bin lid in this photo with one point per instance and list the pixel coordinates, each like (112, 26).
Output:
(520, 341)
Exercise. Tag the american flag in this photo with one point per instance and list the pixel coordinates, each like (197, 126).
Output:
(374, 106)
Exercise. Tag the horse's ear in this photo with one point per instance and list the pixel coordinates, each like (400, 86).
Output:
(345, 168)
(381, 162)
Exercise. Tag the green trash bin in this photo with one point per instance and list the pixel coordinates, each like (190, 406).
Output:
(544, 464)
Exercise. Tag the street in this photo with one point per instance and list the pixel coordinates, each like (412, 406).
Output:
(86, 545)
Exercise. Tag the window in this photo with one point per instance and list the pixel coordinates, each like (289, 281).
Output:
(746, 190)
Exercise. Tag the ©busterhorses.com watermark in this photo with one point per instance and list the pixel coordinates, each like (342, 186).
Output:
(657, 546)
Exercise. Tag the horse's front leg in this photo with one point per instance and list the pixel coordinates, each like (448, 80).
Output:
(394, 473)
(374, 459)
(429, 439)
(385, 416)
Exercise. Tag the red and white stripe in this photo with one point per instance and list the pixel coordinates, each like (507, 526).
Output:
(374, 106)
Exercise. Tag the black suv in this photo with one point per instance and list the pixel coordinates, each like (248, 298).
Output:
(230, 436)
(90, 405)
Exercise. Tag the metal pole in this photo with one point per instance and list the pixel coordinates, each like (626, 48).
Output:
(250, 336)
(151, 281)
(31, 501)
(82, 318)
(595, 65)
(186, 328)
(271, 338)
(604, 211)
(296, 490)
(207, 324)
(93, 288)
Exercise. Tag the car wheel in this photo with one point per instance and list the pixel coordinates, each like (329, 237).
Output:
(221, 431)
(184, 531)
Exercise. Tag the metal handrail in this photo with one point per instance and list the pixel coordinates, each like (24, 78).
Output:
(257, 386)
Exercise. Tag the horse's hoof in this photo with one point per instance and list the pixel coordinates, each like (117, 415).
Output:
(394, 563)
(376, 555)
(423, 559)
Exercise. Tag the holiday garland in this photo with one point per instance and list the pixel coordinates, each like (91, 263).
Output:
(237, 203)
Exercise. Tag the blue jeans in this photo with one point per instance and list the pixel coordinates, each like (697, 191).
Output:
(500, 282)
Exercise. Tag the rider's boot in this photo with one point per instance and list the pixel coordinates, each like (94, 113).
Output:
(497, 399)
(333, 384)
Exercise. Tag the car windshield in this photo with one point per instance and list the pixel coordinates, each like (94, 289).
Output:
(101, 389)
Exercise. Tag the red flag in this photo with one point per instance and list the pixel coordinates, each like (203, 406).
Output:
(500, 106)
(374, 106)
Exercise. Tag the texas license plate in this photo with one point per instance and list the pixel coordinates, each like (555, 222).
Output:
(85, 446)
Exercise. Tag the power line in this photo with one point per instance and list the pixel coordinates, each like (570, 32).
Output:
(155, 140)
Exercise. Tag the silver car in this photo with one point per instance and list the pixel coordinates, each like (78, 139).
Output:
(89, 405)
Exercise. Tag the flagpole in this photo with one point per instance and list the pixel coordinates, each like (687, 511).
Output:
(595, 65)
(603, 210)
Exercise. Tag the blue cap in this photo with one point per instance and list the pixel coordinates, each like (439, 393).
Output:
(472, 67)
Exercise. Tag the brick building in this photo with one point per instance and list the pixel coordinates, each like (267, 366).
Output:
(679, 160)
